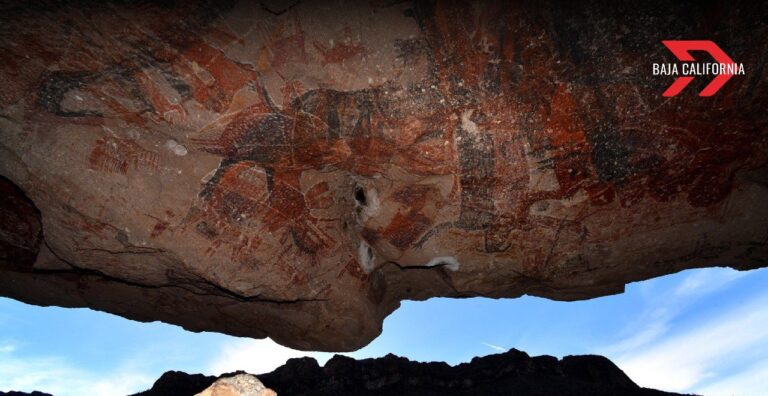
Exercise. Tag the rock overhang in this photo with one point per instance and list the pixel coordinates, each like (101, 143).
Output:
(293, 174)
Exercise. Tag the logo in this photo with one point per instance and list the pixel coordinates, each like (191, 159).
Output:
(722, 69)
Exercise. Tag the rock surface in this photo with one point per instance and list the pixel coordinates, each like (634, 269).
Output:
(239, 385)
(510, 373)
(296, 169)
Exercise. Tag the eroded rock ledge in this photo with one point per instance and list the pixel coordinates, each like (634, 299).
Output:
(509, 373)
(296, 170)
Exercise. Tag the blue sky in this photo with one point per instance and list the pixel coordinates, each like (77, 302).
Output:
(703, 331)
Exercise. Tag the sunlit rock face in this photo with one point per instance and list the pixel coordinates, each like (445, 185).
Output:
(239, 385)
(295, 170)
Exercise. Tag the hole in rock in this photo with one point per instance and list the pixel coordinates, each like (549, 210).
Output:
(360, 196)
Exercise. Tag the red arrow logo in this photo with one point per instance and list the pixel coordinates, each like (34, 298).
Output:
(681, 48)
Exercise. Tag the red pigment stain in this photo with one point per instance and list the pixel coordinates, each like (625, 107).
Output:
(118, 155)
(229, 76)
(160, 102)
(403, 230)
(159, 228)
(565, 131)
(338, 52)
(354, 269)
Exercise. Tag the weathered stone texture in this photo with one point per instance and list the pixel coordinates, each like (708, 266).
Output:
(295, 171)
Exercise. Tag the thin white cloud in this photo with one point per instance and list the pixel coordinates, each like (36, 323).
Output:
(61, 378)
(256, 356)
(7, 348)
(664, 304)
(750, 382)
(650, 332)
(705, 281)
(495, 347)
(683, 361)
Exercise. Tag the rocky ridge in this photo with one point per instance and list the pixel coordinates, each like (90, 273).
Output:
(512, 372)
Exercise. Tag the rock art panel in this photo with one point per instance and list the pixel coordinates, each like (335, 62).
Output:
(297, 170)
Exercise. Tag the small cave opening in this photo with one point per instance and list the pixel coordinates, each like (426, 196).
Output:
(360, 196)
